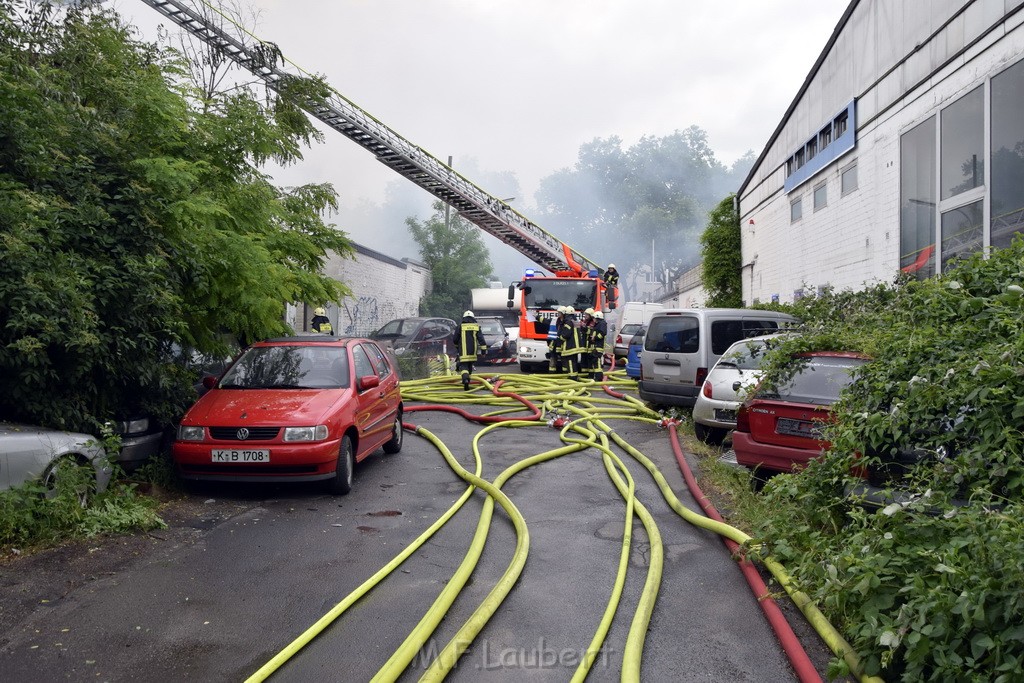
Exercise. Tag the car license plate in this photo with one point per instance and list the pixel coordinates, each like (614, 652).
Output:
(240, 455)
(723, 415)
(810, 430)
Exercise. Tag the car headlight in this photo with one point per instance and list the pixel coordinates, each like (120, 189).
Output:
(318, 433)
(187, 433)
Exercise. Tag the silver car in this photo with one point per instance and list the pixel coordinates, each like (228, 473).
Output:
(28, 453)
(739, 368)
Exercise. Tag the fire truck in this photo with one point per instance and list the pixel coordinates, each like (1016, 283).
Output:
(572, 279)
(542, 295)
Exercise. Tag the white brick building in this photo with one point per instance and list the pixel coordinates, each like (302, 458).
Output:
(903, 149)
(383, 288)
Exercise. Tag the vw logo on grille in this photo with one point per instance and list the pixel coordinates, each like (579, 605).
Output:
(242, 434)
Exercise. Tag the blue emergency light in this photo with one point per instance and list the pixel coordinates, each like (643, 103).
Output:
(529, 272)
(592, 272)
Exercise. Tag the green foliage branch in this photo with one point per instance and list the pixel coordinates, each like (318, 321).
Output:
(926, 589)
(135, 217)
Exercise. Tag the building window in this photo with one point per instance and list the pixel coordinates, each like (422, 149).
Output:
(825, 137)
(800, 158)
(848, 179)
(812, 149)
(820, 196)
(961, 232)
(796, 211)
(790, 166)
(962, 161)
(840, 123)
(1007, 155)
(917, 200)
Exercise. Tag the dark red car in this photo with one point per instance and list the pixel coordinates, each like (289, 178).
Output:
(779, 428)
(303, 408)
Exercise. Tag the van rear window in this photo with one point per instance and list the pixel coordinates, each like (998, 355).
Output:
(673, 335)
(725, 333)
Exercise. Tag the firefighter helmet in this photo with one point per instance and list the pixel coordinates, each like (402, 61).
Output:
(319, 310)
(468, 314)
(599, 315)
(611, 265)
(589, 311)
(569, 310)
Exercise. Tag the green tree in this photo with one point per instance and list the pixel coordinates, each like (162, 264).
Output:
(133, 218)
(615, 201)
(720, 256)
(457, 257)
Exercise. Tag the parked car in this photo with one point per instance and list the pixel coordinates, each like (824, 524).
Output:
(739, 369)
(683, 344)
(632, 316)
(28, 453)
(303, 408)
(622, 339)
(418, 336)
(499, 348)
(636, 346)
(779, 429)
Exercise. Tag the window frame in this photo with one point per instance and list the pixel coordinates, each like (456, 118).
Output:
(823, 185)
(850, 167)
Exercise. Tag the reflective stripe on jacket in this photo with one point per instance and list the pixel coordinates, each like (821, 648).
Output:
(469, 342)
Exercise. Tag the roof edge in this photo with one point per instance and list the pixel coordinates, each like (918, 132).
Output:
(799, 95)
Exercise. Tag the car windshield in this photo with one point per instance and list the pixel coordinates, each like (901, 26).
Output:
(289, 367)
(816, 380)
(491, 327)
(549, 294)
(638, 337)
(745, 355)
(631, 328)
(402, 328)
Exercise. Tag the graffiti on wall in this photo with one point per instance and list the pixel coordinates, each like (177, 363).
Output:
(359, 316)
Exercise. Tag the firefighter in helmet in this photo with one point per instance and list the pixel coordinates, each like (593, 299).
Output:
(571, 345)
(586, 326)
(469, 343)
(321, 323)
(611, 284)
(598, 333)
(554, 325)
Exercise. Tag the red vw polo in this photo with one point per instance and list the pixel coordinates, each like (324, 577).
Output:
(303, 408)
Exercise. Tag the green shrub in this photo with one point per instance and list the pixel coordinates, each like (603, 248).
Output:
(930, 590)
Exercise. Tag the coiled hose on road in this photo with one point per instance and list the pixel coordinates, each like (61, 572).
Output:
(581, 410)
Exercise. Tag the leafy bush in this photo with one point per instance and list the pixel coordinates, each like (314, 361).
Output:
(928, 590)
(32, 516)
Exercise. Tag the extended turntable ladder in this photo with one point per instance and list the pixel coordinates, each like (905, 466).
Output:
(482, 209)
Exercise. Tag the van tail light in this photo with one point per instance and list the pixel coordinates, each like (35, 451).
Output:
(702, 374)
(707, 389)
(742, 419)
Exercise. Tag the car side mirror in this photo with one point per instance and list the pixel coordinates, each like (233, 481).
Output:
(368, 382)
(210, 381)
(736, 386)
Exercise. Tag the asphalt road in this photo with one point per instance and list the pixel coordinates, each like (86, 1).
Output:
(243, 570)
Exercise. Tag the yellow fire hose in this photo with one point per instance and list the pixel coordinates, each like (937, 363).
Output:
(560, 397)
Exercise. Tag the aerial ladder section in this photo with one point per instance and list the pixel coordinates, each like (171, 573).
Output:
(477, 206)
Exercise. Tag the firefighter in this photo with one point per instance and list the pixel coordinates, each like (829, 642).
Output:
(611, 284)
(586, 330)
(321, 323)
(469, 343)
(570, 344)
(598, 333)
(554, 325)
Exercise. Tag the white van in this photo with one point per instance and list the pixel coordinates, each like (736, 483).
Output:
(682, 344)
(632, 316)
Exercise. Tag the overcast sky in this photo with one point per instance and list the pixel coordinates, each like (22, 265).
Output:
(518, 85)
